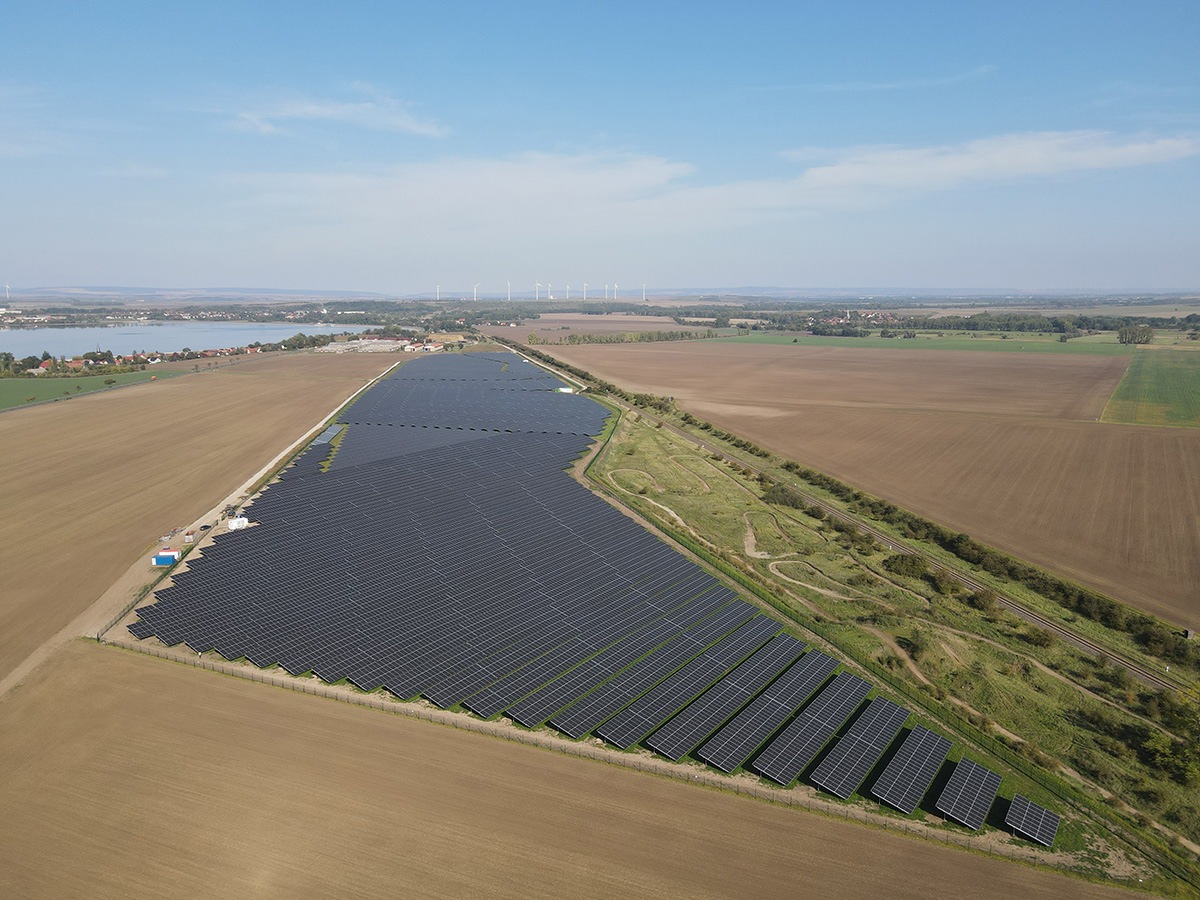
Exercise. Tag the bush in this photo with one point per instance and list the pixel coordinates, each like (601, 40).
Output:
(908, 564)
(983, 600)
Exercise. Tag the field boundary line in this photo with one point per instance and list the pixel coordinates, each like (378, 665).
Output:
(636, 761)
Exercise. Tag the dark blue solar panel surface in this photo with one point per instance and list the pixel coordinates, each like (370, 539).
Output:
(1035, 822)
(438, 548)
(734, 743)
(636, 679)
(911, 771)
(659, 704)
(843, 770)
(969, 793)
(701, 718)
(446, 553)
(786, 756)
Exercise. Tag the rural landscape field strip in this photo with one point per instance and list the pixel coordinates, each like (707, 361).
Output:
(1005, 448)
(1162, 387)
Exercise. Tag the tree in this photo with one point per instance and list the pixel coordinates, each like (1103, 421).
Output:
(1135, 334)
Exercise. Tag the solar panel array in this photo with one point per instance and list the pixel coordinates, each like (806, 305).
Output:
(735, 742)
(680, 736)
(794, 748)
(1035, 822)
(969, 793)
(657, 705)
(852, 757)
(911, 771)
(446, 554)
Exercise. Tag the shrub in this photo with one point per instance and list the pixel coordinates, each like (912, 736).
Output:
(908, 564)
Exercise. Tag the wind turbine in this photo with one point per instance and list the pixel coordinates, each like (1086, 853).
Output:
(475, 291)
(549, 288)
(585, 292)
(606, 291)
(568, 292)
(7, 295)
(614, 290)
(536, 286)
(643, 292)
(509, 283)
(439, 293)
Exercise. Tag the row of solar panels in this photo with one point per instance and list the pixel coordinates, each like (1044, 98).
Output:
(465, 567)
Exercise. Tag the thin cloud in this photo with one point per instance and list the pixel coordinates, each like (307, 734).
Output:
(377, 111)
(1004, 157)
(554, 201)
(902, 84)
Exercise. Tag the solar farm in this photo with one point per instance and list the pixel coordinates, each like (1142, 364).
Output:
(431, 544)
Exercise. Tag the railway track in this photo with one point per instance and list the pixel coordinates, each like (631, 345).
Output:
(1142, 673)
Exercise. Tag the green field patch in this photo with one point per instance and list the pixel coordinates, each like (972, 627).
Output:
(21, 391)
(1160, 387)
(1104, 344)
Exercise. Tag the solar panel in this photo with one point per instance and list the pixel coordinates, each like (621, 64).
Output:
(969, 793)
(847, 764)
(736, 741)
(638, 678)
(911, 771)
(659, 704)
(785, 757)
(1033, 821)
(683, 732)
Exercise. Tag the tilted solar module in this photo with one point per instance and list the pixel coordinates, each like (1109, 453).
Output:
(911, 771)
(639, 677)
(737, 740)
(969, 793)
(794, 748)
(701, 718)
(652, 709)
(1035, 822)
(847, 764)
(543, 703)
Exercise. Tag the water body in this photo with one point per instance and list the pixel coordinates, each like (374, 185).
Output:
(160, 337)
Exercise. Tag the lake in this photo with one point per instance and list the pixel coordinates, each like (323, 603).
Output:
(162, 337)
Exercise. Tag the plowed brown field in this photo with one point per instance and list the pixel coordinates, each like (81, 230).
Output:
(556, 326)
(125, 776)
(87, 485)
(1006, 447)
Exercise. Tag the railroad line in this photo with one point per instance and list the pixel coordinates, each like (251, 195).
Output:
(1139, 671)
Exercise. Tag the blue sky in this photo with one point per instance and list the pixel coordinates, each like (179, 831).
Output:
(389, 146)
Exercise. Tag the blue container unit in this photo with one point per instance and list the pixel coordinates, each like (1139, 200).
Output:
(166, 558)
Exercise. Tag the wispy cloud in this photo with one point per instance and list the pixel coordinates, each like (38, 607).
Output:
(551, 204)
(899, 84)
(1000, 158)
(373, 109)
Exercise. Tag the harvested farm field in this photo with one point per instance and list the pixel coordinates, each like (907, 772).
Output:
(1005, 447)
(554, 327)
(128, 776)
(90, 484)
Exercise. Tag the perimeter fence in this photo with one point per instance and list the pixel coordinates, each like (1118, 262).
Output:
(642, 763)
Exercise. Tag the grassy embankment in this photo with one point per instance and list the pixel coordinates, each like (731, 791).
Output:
(990, 673)
(1161, 387)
